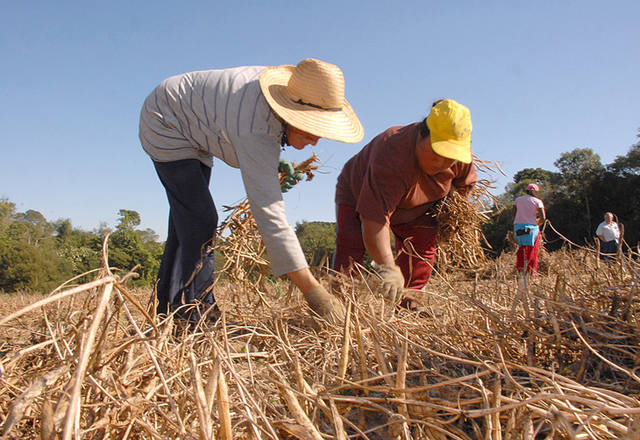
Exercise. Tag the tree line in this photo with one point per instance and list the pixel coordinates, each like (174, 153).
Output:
(576, 196)
(38, 255)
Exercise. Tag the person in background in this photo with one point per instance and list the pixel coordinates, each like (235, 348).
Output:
(392, 184)
(528, 214)
(609, 234)
(242, 116)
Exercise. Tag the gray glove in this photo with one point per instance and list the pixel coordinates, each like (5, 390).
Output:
(325, 305)
(392, 281)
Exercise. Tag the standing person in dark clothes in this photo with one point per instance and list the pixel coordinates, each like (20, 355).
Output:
(392, 184)
(242, 116)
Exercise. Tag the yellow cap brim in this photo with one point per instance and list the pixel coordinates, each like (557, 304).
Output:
(459, 150)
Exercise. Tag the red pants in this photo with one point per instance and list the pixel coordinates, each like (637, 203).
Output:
(530, 254)
(416, 261)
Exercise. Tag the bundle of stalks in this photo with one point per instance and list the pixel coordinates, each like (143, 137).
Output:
(240, 242)
(556, 359)
(460, 219)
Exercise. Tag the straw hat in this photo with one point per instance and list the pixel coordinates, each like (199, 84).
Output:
(310, 97)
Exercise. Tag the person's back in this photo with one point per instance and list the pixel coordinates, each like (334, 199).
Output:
(213, 111)
(527, 208)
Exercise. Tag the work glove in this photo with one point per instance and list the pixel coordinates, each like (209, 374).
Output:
(392, 281)
(325, 305)
(291, 178)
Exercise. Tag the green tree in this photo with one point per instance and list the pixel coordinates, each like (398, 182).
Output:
(629, 164)
(34, 227)
(81, 248)
(129, 247)
(580, 169)
(7, 210)
(63, 229)
(37, 255)
(317, 239)
(27, 267)
(128, 219)
(28, 255)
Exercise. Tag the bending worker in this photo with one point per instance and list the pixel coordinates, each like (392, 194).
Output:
(392, 184)
(241, 116)
(527, 209)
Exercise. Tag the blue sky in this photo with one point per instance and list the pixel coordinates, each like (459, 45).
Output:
(540, 78)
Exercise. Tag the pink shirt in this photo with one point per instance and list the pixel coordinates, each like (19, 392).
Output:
(526, 208)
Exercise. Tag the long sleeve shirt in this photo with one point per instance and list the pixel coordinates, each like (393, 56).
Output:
(223, 114)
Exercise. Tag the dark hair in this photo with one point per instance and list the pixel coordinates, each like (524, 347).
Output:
(423, 128)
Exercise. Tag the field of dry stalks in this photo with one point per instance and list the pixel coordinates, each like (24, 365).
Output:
(485, 358)
(557, 359)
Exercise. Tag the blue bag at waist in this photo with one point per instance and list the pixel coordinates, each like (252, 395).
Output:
(525, 233)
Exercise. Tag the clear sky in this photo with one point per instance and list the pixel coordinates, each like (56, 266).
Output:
(540, 78)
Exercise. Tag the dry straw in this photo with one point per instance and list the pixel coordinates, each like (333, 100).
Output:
(461, 242)
(558, 362)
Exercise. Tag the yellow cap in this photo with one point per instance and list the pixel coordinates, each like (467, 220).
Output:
(449, 123)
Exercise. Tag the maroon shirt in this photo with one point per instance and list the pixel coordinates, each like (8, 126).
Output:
(385, 184)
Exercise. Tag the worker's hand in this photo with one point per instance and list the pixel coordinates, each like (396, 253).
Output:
(291, 178)
(392, 281)
(325, 305)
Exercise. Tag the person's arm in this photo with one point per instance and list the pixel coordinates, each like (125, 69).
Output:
(515, 211)
(377, 242)
(319, 299)
(258, 158)
(303, 279)
(465, 178)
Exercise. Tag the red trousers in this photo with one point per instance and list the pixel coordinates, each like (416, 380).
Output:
(530, 254)
(416, 260)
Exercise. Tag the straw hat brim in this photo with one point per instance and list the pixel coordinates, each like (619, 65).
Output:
(339, 125)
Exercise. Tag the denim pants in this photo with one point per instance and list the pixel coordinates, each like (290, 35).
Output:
(187, 268)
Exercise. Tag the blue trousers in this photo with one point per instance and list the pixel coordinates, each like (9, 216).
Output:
(186, 272)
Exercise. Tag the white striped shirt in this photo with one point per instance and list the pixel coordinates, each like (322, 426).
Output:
(223, 113)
